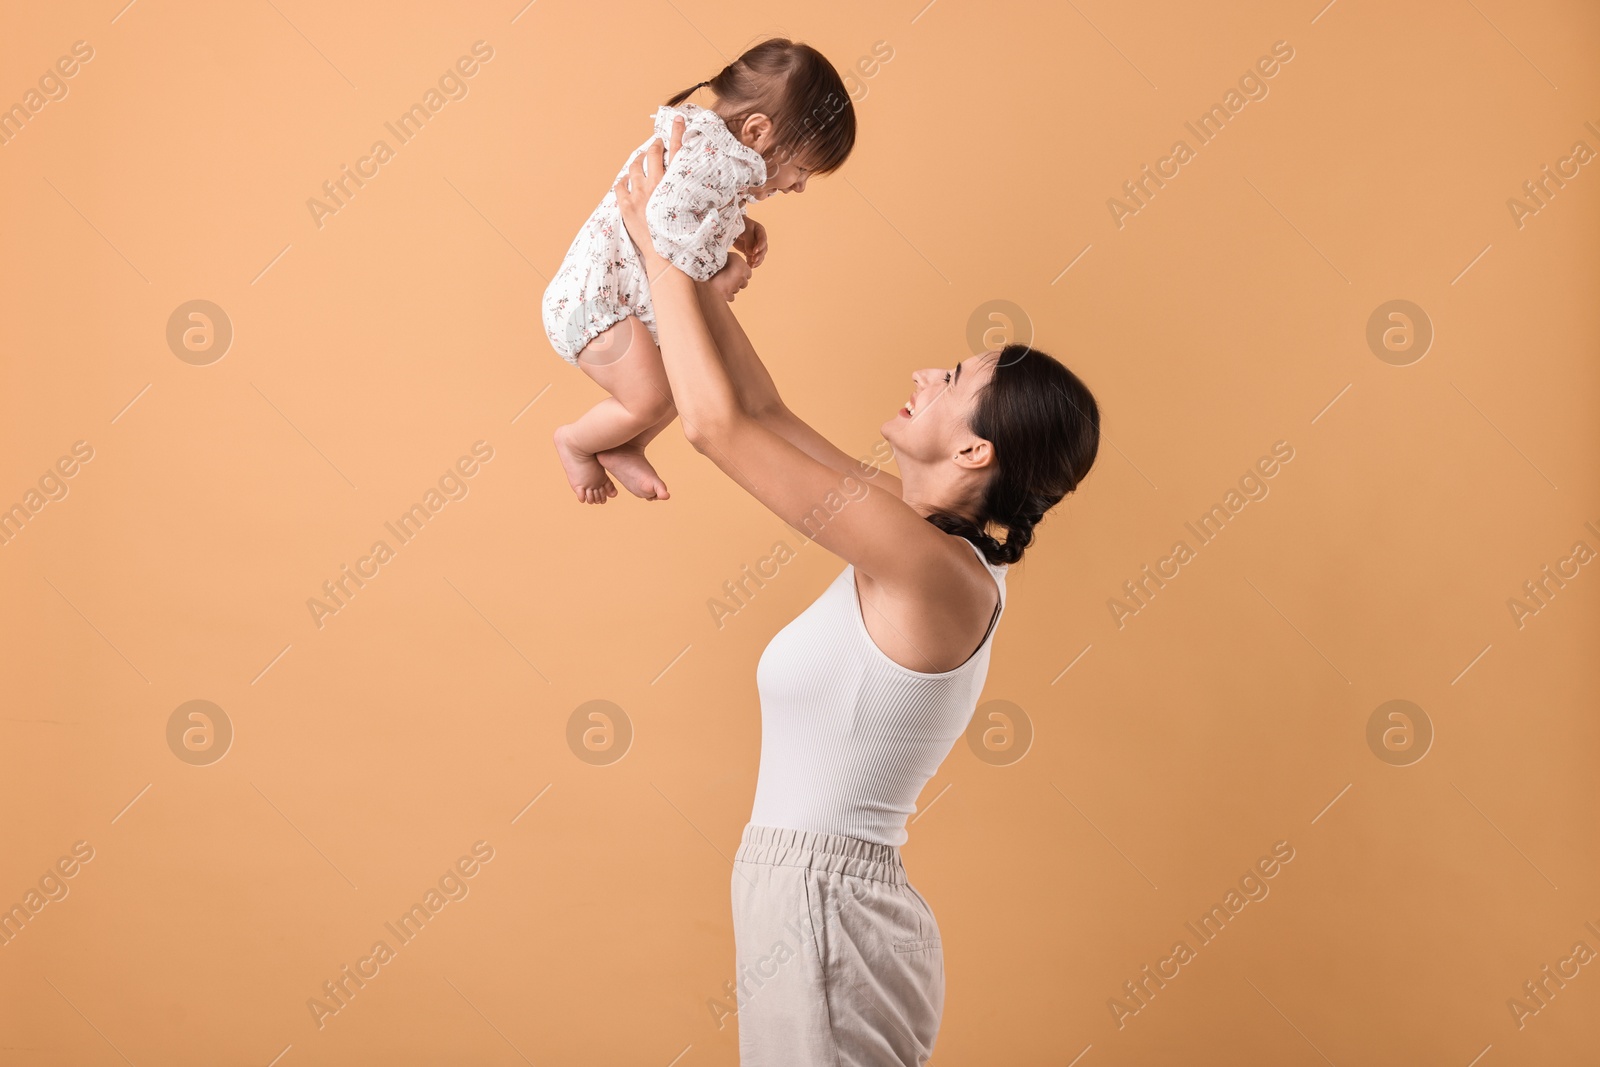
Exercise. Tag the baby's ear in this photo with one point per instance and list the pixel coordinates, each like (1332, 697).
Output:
(757, 132)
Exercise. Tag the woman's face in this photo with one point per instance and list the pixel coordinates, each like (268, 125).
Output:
(935, 421)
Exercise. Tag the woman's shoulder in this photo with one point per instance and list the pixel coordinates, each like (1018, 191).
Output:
(998, 568)
(945, 612)
(956, 572)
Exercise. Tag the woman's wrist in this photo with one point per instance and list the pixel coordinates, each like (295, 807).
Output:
(665, 277)
(638, 231)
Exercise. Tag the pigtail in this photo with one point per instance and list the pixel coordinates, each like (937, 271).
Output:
(681, 97)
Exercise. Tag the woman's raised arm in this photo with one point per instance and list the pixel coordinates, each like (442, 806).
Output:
(758, 395)
(843, 511)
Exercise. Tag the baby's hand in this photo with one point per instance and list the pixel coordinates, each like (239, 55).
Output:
(734, 275)
(752, 242)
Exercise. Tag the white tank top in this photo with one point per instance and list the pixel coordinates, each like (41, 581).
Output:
(849, 737)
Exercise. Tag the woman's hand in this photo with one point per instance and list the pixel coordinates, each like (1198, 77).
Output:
(633, 189)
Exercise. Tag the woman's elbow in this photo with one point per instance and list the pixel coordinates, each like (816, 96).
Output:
(697, 441)
(768, 410)
(708, 432)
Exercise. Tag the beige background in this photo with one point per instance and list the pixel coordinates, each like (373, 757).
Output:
(370, 353)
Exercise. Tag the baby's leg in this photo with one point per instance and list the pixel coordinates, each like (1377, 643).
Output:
(626, 363)
(627, 462)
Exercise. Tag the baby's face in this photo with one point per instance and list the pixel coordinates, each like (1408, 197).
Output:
(785, 172)
(783, 176)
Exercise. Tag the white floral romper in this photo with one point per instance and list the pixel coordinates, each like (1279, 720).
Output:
(695, 214)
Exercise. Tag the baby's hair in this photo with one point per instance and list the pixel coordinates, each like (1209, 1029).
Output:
(796, 87)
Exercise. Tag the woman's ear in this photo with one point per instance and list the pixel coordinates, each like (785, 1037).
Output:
(756, 132)
(978, 454)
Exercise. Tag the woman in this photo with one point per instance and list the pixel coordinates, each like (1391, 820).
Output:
(864, 694)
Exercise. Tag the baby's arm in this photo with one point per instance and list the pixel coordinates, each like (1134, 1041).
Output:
(734, 275)
(752, 242)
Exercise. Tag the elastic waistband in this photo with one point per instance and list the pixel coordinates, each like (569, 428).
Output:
(835, 853)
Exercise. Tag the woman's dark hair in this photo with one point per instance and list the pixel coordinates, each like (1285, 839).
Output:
(796, 87)
(1045, 429)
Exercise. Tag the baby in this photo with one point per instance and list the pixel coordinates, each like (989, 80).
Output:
(781, 115)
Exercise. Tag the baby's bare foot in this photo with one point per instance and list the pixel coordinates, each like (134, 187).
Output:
(635, 473)
(584, 472)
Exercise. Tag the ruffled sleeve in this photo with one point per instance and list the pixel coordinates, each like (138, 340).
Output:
(697, 211)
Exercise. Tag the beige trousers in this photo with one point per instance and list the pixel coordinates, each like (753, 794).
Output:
(838, 957)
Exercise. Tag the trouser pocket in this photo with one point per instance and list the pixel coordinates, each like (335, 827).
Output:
(884, 969)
